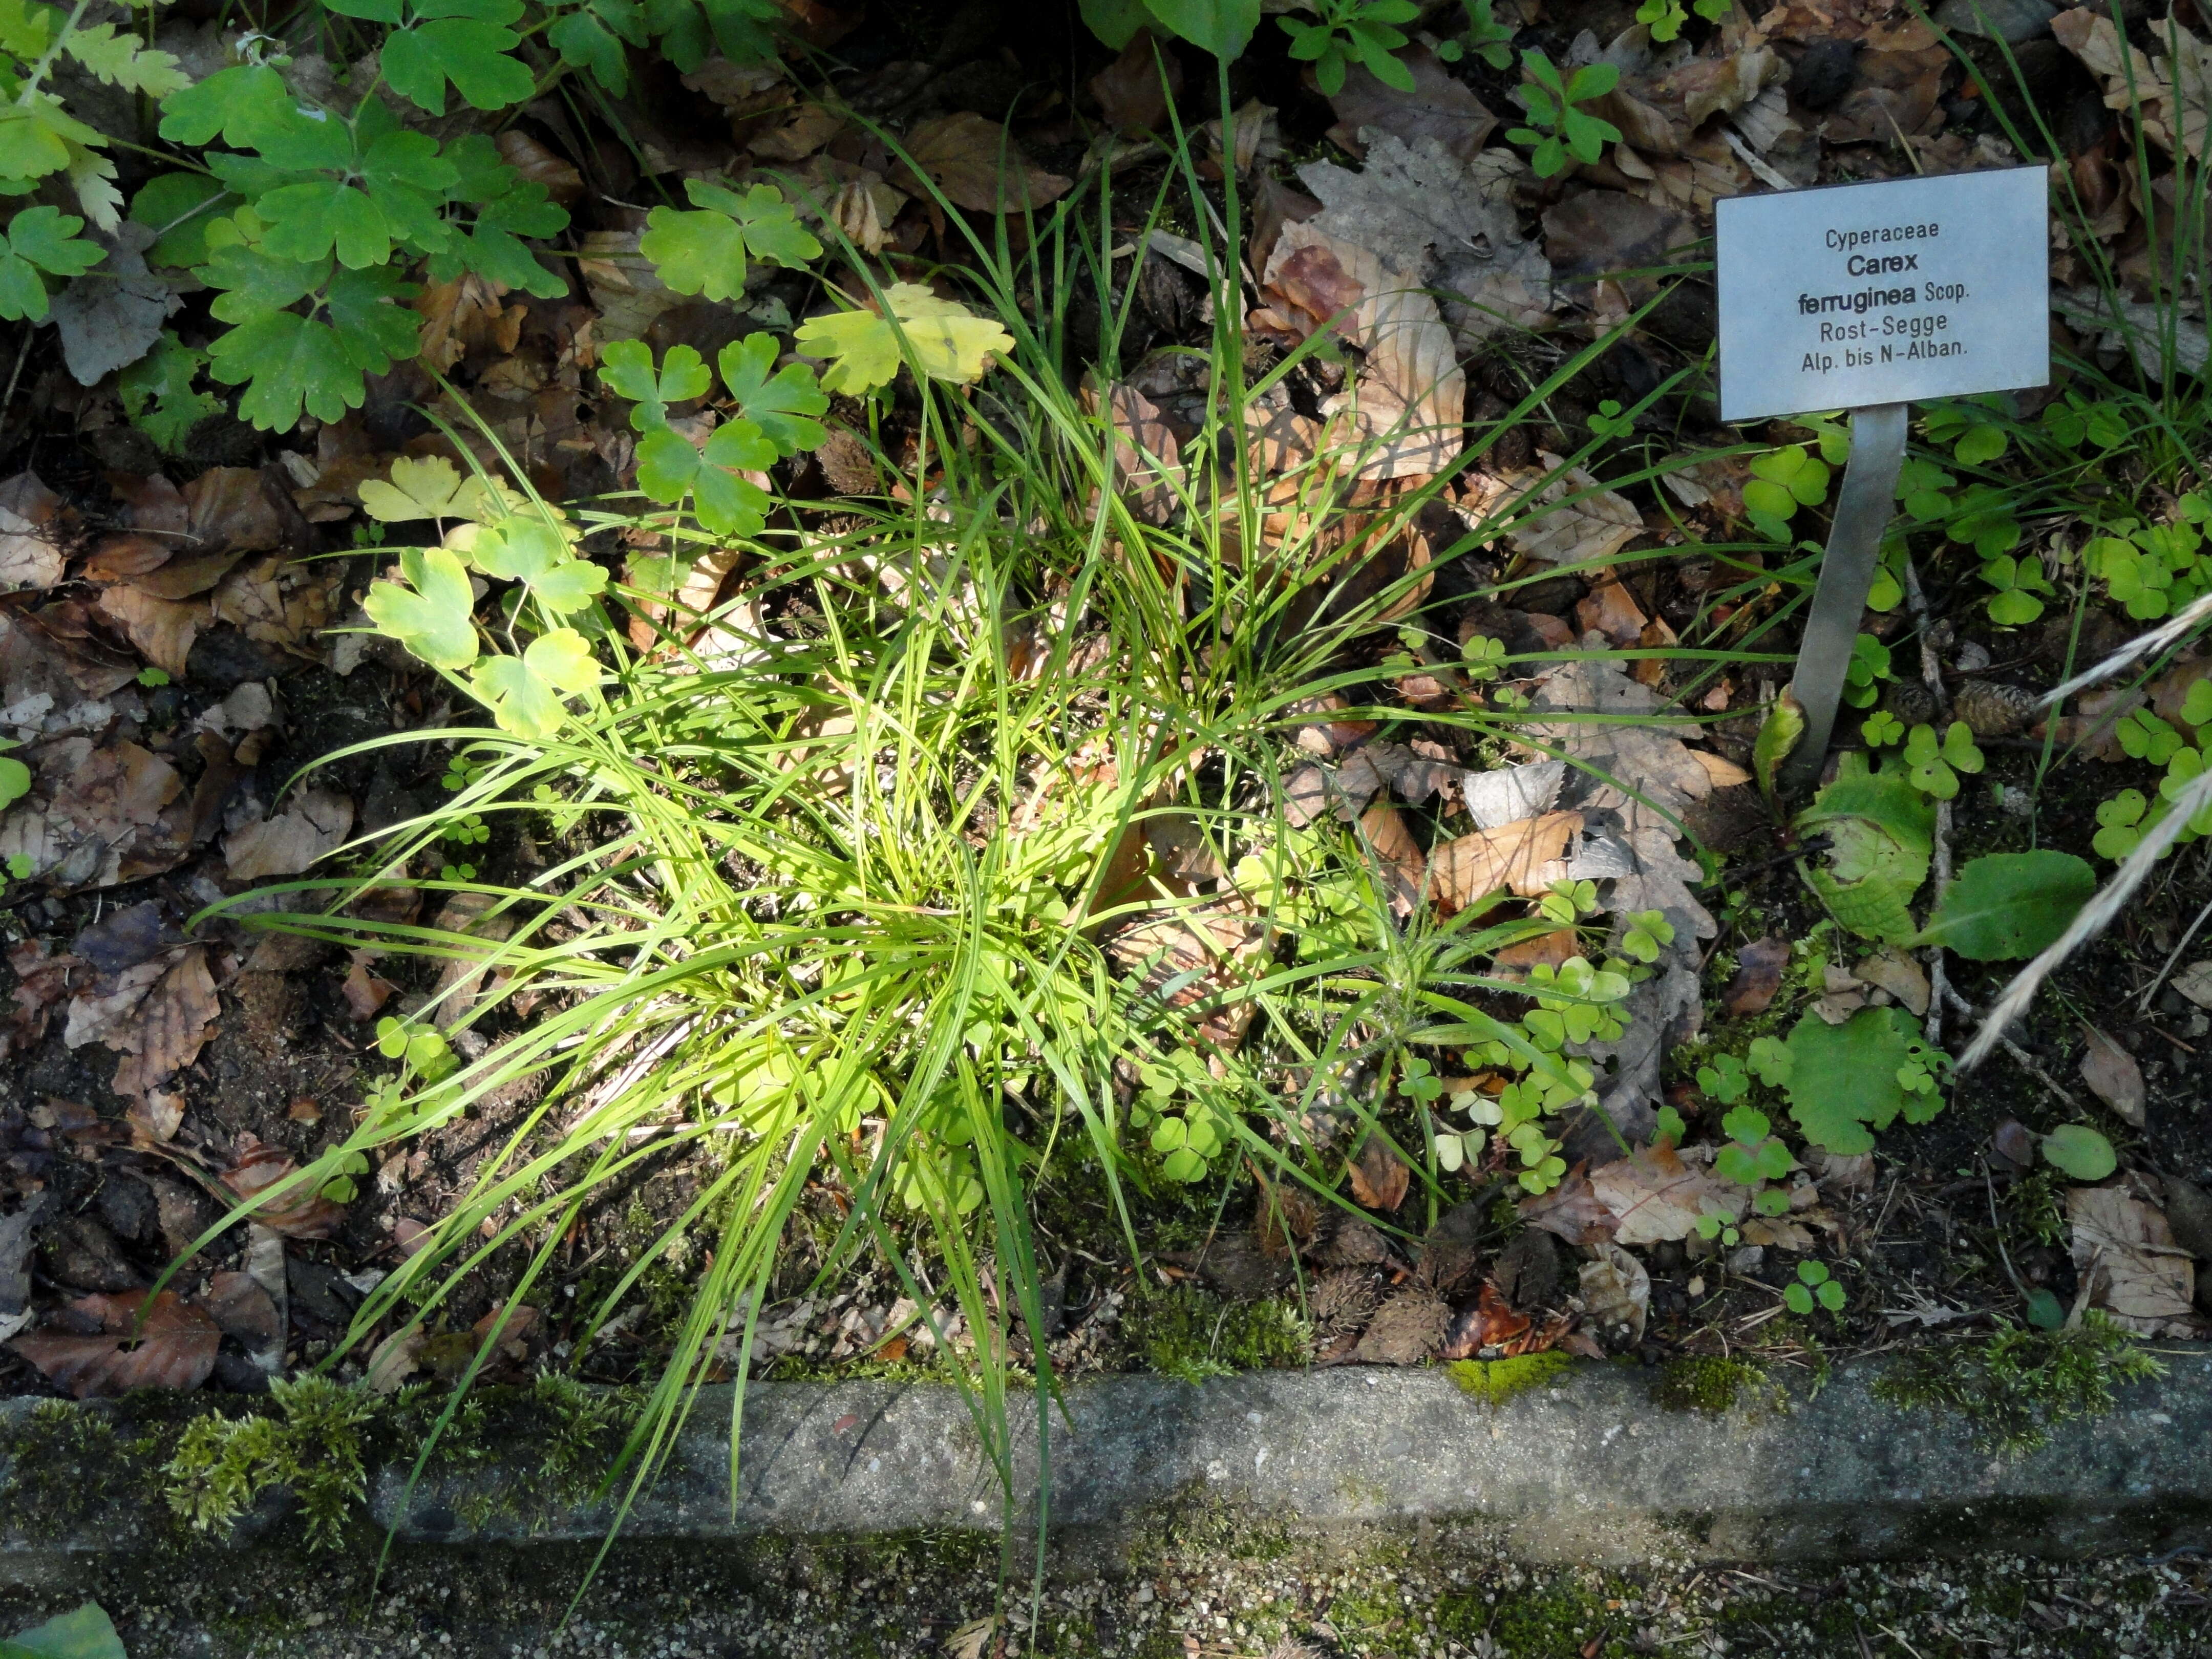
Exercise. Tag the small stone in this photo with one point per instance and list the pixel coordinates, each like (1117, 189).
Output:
(2189, 1213)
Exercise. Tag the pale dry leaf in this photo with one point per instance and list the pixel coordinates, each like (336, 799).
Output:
(2113, 1076)
(1609, 609)
(243, 1309)
(978, 166)
(1658, 1194)
(102, 1009)
(301, 1213)
(1511, 857)
(155, 1116)
(1617, 1291)
(1897, 973)
(1404, 866)
(1573, 520)
(1500, 797)
(1379, 1176)
(2131, 1265)
(28, 556)
(317, 822)
(1571, 1211)
(1439, 109)
(2195, 982)
(1723, 773)
(1776, 1232)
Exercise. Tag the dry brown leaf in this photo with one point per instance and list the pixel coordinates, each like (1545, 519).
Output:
(155, 1116)
(1571, 1211)
(540, 165)
(365, 991)
(1758, 978)
(1147, 463)
(976, 163)
(277, 602)
(1894, 971)
(317, 822)
(85, 1350)
(169, 1025)
(230, 507)
(1405, 866)
(1573, 520)
(242, 1308)
(102, 1008)
(301, 1213)
(1201, 954)
(1724, 774)
(1658, 1194)
(28, 556)
(1135, 90)
(1439, 107)
(163, 629)
(1610, 610)
(1617, 1291)
(2195, 982)
(798, 134)
(2113, 1076)
(2130, 1263)
(1379, 1176)
(1512, 856)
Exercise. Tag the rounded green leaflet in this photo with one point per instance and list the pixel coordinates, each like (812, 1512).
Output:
(15, 781)
(782, 405)
(2006, 906)
(433, 615)
(2079, 1150)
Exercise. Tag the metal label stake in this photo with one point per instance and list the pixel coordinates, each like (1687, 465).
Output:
(1871, 297)
(1864, 508)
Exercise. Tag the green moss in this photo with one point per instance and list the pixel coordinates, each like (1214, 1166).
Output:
(1190, 1334)
(311, 1443)
(2014, 1387)
(1706, 1382)
(1494, 1381)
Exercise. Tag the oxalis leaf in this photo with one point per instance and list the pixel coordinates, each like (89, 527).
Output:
(524, 693)
(1844, 1082)
(432, 616)
(947, 341)
(2005, 906)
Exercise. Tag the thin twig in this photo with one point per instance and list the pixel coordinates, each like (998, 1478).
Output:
(2020, 1056)
(2157, 639)
(1931, 671)
(2142, 1002)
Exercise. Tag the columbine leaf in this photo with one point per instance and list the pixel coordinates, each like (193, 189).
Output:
(569, 585)
(782, 407)
(309, 220)
(122, 60)
(432, 617)
(426, 487)
(292, 361)
(48, 238)
(627, 367)
(418, 62)
(524, 693)
(30, 147)
(947, 341)
(158, 394)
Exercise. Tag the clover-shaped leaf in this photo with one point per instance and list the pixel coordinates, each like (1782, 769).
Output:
(433, 615)
(1881, 728)
(783, 405)
(2196, 707)
(705, 251)
(947, 341)
(2120, 825)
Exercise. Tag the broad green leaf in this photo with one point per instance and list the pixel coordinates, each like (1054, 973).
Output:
(310, 220)
(771, 225)
(1223, 27)
(179, 206)
(432, 615)
(1880, 836)
(584, 42)
(948, 341)
(30, 147)
(519, 548)
(292, 362)
(15, 781)
(524, 693)
(419, 61)
(2079, 1151)
(125, 61)
(2005, 906)
(1842, 1078)
(425, 487)
(87, 1633)
(705, 251)
(1115, 21)
(783, 406)
(249, 105)
(627, 367)
(569, 587)
(48, 238)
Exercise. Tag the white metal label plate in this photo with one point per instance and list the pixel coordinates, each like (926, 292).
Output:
(1891, 292)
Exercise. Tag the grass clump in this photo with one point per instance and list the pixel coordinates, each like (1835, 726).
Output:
(2014, 1387)
(313, 1443)
(1706, 1382)
(1494, 1381)
(1190, 1334)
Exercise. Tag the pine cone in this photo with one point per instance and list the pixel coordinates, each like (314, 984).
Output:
(1910, 700)
(1993, 710)
(1406, 1330)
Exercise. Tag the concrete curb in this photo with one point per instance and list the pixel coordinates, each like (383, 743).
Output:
(1584, 1470)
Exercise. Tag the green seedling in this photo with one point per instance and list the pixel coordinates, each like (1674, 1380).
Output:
(1933, 764)
(1751, 1157)
(1869, 666)
(2018, 583)
(1363, 32)
(1813, 1284)
(2081, 1151)
(1485, 38)
(1557, 129)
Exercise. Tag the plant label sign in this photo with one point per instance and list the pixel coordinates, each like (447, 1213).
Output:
(1846, 295)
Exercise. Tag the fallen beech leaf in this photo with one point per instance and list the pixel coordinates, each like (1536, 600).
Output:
(1379, 1176)
(365, 993)
(2195, 982)
(1898, 974)
(156, 1115)
(1610, 610)
(1404, 866)
(1658, 1193)
(1492, 1322)
(540, 165)
(2113, 1076)
(1757, 979)
(317, 822)
(2128, 1257)
(978, 166)
(100, 1012)
(100, 1350)
(170, 1025)
(1571, 1211)
(230, 508)
(246, 1311)
(1439, 107)
(395, 1360)
(302, 1213)
(1617, 1291)
(1512, 857)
